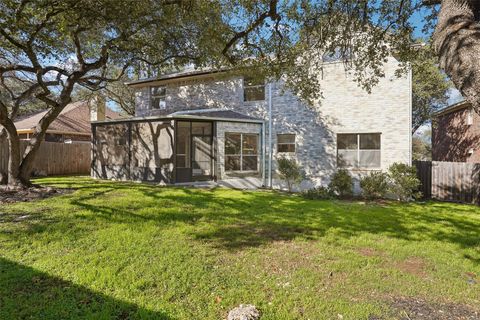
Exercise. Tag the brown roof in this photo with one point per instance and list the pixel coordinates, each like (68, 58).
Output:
(74, 118)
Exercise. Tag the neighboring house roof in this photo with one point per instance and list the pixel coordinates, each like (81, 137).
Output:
(74, 118)
(454, 107)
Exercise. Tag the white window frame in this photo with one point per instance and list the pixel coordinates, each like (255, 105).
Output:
(163, 98)
(241, 155)
(246, 86)
(357, 165)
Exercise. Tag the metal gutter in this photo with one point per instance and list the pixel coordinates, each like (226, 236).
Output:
(186, 116)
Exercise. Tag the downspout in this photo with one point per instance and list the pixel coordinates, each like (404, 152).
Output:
(264, 159)
(410, 104)
(270, 153)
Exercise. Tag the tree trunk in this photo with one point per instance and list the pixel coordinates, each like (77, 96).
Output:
(457, 43)
(14, 179)
(28, 161)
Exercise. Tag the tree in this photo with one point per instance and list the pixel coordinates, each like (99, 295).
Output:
(457, 44)
(290, 171)
(430, 87)
(48, 48)
(422, 146)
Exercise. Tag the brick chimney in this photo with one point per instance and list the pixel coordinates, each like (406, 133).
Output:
(97, 108)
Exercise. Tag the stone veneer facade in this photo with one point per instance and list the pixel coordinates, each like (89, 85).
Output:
(343, 108)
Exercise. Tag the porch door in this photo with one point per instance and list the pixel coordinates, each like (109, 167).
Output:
(194, 151)
(202, 158)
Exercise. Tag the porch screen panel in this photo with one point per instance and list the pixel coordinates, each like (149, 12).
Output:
(182, 158)
(202, 148)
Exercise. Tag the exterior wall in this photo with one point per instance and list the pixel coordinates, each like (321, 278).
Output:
(453, 137)
(344, 108)
(140, 151)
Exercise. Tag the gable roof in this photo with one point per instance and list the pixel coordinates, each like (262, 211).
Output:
(454, 107)
(74, 118)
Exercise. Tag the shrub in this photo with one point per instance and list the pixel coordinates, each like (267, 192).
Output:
(319, 193)
(403, 181)
(342, 184)
(290, 171)
(375, 185)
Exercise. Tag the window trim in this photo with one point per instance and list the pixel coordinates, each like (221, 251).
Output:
(358, 167)
(152, 96)
(241, 155)
(245, 86)
(284, 143)
(469, 117)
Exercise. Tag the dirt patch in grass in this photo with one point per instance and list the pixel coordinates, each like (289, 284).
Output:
(30, 194)
(370, 252)
(411, 308)
(414, 265)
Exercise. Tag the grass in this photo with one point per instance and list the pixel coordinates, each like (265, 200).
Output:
(134, 251)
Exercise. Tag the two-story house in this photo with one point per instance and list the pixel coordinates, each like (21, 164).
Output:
(217, 126)
(456, 134)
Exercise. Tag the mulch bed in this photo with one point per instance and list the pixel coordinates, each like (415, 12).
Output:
(30, 194)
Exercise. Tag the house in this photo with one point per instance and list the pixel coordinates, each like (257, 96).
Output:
(456, 134)
(220, 126)
(71, 125)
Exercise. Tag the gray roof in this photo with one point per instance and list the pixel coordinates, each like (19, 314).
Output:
(188, 72)
(213, 113)
(200, 114)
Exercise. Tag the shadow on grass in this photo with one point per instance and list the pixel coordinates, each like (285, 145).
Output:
(26, 293)
(247, 219)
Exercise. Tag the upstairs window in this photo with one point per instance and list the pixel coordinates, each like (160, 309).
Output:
(253, 89)
(241, 152)
(157, 97)
(286, 143)
(358, 150)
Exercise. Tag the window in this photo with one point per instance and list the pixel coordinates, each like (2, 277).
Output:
(241, 152)
(157, 97)
(285, 142)
(358, 150)
(253, 89)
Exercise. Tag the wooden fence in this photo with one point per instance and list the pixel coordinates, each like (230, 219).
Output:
(450, 181)
(55, 158)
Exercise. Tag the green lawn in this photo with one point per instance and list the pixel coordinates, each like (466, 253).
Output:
(134, 251)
